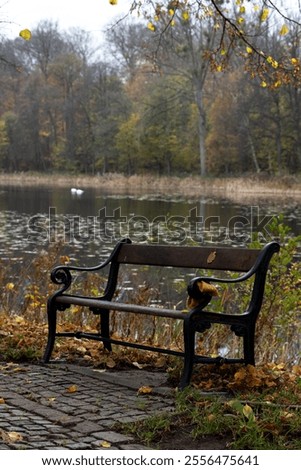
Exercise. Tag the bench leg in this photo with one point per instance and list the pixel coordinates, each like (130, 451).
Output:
(51, 313)
(105, 328)
(189, 344)
(249, 345)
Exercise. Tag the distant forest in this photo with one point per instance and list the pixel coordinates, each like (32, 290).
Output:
(151, 103)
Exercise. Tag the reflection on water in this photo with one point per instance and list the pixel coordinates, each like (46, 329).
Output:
(92, 222)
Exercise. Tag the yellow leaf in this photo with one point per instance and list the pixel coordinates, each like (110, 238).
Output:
(294, 61)
(63, 259)
(223, 52)
(151, 26)
(185, 15)
(14, 436)
(242, 10)
(2, 401)
(249, 50)
(113, 2)
(275, 64)
(19, 320)
(248, 412)
(241, 20)
(145, 390)
(272, 61)
(284, 30)
(264, 15)
(72, 389)
(171, 12)
(105, 444)
(10, 286)
(25, 34)
(240, 375)
(277, 84)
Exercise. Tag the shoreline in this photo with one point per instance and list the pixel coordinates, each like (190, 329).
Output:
(253, 187)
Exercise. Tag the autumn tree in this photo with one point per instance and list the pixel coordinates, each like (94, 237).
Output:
(241, 24)
(192, 37)
(207, 87)
(128, 43)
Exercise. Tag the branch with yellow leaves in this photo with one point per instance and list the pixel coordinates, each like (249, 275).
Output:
(281, 71)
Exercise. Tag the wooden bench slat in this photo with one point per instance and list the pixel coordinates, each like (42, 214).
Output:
(233, 259)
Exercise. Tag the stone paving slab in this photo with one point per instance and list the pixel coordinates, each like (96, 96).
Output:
(64, 406)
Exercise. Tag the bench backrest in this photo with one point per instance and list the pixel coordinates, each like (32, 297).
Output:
(247, 261)
(233, 259)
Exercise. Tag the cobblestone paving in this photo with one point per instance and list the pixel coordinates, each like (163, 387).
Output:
(61, 406)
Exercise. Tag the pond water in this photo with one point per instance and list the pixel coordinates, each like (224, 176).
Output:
(92, 222)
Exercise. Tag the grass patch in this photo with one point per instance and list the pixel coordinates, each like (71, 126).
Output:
(232, 423)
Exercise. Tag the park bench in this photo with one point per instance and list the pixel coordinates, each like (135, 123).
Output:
(246, 263)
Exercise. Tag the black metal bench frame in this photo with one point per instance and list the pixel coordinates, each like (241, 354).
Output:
(252, 263)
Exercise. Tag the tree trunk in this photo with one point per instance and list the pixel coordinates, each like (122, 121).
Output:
(202, 132)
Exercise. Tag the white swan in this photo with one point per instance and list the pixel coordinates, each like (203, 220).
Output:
(79, 192)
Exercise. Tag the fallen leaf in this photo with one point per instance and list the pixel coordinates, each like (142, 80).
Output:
(145, 390)
(211, 417)
(296, 370)
(20, 320)
(161, 361)
(105, 444)
(72, 389)
(14, 436)
(19, 369)
(110, 363)
(136, 364)
(248, 412)
(2, 401)
(10, 436)
(286, 416)
(211, 257)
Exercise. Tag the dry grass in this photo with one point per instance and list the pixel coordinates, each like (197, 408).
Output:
(252, 187)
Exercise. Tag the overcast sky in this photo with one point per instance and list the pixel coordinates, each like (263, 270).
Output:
(90, 15)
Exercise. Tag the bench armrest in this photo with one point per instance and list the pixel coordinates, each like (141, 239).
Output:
(210, 279)
(259, 269)
(61, 275)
